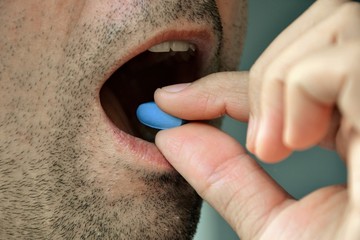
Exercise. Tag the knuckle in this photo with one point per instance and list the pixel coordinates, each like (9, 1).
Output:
(254, 72)
(352, 51)
(348, 68)
(348, 14)
(207, 103)
(270, 75)
(350, 9)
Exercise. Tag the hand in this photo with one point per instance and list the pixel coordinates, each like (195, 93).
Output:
(291, 86)
(308, 72)
(230, 180)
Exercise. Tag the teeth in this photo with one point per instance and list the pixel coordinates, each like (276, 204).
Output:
(180, 46)
(175, 46)
(162, 47)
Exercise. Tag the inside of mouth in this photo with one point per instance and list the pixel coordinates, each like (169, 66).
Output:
(135, 82)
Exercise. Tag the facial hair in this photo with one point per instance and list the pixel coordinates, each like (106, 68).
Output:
(49, 71)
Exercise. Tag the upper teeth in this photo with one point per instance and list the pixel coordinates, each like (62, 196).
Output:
(175, 46)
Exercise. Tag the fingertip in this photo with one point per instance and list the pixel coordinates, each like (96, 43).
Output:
(160, 137)
(251, 134)
(296, 141)
(306, 121)
(301, 141)
(269, 144)
(272, 154)
(170, 91)
(165, 140)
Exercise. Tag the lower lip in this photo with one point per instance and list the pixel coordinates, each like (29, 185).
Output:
(144, 154)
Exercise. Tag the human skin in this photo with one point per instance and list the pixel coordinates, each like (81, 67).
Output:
(302, 91)
(66, 170)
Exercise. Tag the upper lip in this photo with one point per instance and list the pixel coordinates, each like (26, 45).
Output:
(204, 39)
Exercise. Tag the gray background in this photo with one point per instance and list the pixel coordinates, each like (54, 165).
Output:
(301, 173)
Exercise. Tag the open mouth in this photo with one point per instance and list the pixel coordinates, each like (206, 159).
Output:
(134, 83)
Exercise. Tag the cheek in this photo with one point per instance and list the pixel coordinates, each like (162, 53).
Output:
(117, 11)
(233, 15)
(231, 11)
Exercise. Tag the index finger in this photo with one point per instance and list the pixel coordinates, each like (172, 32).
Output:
(210, 97)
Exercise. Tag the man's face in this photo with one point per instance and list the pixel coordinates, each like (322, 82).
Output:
(74, 161)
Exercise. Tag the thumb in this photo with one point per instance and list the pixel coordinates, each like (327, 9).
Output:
(224, 175)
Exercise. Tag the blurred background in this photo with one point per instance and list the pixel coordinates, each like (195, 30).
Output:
(302, 172)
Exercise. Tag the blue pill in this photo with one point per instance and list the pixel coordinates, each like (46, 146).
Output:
(152, 116)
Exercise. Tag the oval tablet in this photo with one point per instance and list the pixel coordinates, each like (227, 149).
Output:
(152, 116)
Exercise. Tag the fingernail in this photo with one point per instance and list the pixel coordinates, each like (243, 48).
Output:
(260, 138)
(175, 88)
(251, 135)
